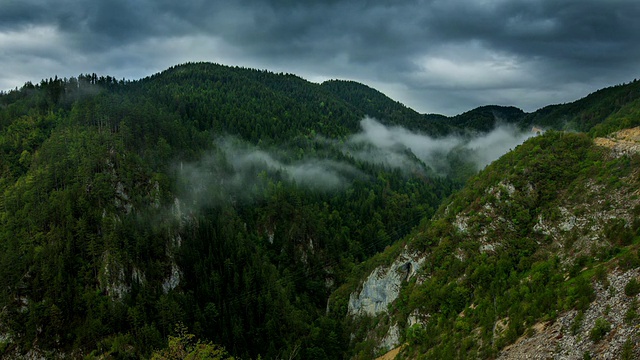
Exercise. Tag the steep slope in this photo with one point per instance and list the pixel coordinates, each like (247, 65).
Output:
(587, 113)
(378, 105)
(486, 118)
(539, 251)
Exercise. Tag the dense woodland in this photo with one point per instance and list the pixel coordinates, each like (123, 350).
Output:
(97, 215)
(123, 225)
(524, 276)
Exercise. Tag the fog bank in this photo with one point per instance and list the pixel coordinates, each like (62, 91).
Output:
(393, 146)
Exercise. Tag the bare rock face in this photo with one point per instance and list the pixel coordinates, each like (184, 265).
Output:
(112, 277)
(383, 285)
(392, 338)
(173, 280)
(622, 142)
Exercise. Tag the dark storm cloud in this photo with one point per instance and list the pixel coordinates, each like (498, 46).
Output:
(589, 31)
(434, 55)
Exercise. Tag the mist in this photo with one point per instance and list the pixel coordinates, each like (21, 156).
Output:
(238, 171)
(318, 174)
(397, 147)
(491, 146)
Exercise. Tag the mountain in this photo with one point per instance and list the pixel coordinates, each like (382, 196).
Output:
(588, 113)
(485, 118)
(379, 106)
(536, 256)
(209, 204)
(224, 200)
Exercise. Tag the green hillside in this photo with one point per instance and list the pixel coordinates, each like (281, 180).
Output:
(209, 204)
(585, 114)
(530, 241)
(205, 195)
(485, 118)
(378, 105)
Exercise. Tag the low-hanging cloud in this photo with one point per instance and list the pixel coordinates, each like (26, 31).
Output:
(238, 171)
(320, 174)
(394, 146)
(493, 145)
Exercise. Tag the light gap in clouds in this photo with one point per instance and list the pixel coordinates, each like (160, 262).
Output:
(471, 66)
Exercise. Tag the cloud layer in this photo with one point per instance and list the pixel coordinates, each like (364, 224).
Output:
(433, 55)
(398, 147)
(238, 171)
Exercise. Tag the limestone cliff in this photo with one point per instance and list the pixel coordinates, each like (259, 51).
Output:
(382, 287)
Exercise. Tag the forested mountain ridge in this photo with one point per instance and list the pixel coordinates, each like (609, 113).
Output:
(536, 256)
(588, 113)
(228, 201)
(379, 106)
(485, 118)
(201, 195)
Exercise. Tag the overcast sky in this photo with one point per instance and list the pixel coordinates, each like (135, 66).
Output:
(436, 56)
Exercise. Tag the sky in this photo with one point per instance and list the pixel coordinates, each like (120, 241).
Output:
(435, 56)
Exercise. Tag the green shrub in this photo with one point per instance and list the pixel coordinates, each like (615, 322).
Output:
(632, 312)
(632, 288)
(582, 293)
(618, 233)
(627, 350)
(415, 334)
(629, 261)
(577, 323)
(600, 275)
(600, 329)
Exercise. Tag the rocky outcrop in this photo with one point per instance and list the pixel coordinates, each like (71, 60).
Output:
(392, 338)
(173, 280)
(112, 277)
(383, 285)
(622, 142)
(568, 337)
